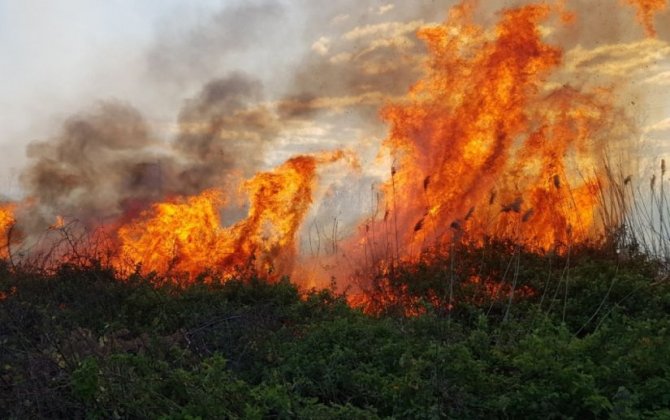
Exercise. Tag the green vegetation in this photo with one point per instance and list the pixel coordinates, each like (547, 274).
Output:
(584, 336)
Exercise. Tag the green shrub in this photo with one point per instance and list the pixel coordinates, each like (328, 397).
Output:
(590, 340)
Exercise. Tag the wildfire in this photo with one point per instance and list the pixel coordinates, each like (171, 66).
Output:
(59, 223)
(186, 235)
(482, 147)
(486, 145)
(646, 10)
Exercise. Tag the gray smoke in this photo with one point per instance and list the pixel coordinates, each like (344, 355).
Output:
(100, 159)
(109, 161)
(106, 162)
(179, 57)
(224, 128)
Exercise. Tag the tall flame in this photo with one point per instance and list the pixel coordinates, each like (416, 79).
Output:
(481, 144)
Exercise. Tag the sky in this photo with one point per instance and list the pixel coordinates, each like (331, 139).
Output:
(59, 58)
(51, 54)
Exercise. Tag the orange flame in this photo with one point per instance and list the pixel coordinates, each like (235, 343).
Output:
(482, 146)
(186, 236)
(646, 10)
(181, 235)
(6, 222)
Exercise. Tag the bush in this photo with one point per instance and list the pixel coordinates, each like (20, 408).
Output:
(589, 339)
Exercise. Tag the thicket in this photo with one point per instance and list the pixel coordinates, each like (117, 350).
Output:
(583, 335)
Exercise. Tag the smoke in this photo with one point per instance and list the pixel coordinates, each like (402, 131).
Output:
(100, 159)
(109, 160)
(224, 128)
(180, 57)
(106, 161)
(256, 82)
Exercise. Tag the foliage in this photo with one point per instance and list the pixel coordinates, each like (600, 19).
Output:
(588, 339)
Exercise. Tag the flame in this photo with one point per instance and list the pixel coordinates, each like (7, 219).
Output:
(6, 222)
(186, 236)
(181, 235)
(482, 146)
(646, 10)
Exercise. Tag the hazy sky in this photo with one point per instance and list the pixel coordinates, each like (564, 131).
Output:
(58, 57)
(52, 51)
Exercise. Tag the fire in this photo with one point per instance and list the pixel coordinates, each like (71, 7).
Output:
(185, 235)
(486, 145)
(6, 222)
(481, 145)
(182, 235)
(646, 10)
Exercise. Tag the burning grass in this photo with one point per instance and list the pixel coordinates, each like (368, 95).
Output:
(484, 145)
(491, 148)
(486, 149)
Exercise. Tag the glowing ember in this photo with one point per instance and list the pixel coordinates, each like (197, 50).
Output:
(646, 10)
